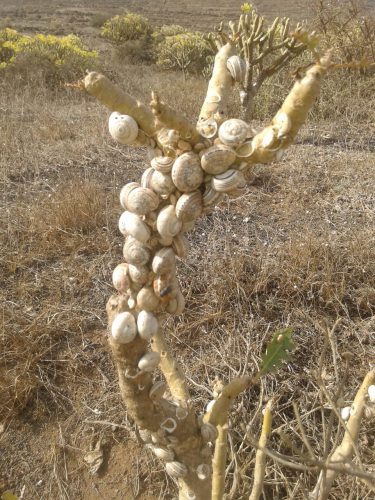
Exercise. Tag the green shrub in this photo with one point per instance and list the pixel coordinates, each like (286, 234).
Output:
(58, 58)
(121, 29)
(186, 51)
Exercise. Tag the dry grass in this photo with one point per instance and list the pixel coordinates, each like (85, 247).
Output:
(297, 249)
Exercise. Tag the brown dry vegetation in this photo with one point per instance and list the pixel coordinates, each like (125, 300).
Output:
(297, 250)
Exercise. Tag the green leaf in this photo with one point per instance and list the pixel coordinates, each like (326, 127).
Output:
(277, 351)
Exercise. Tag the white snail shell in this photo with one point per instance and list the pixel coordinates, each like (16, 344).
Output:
(217, 158)
(133, 225)
(211, 196)
(146, 178)
(345, 413)
(149, 362)
(120, 277)
(371, 393)
(180, 246)
(203, 471)
(229, 180)
(125, 192)
(176, 469)
(123, 328)
(207, 128)
(157, 390)
(141, 201)
(167, 223)
(162, 164)
(138, 274)
(169, 425)
(233, 132)
(164, 261)
(187, 173)
(189, 206)
(209, 433)
(123, 128)
(163, 453)
(245, 150)
(237, 68)
(135, 252)
(147, 325)
(147, 300)
(161, 183)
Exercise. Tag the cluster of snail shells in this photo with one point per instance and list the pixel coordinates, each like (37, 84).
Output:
(178, 187)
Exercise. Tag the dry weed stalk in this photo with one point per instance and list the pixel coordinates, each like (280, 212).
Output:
(191, 169)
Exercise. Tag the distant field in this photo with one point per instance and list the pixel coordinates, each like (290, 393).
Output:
(194, 13)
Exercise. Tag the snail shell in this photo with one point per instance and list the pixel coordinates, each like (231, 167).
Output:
(166, 287)
(207, 128)
(210, 196)
(187, 226)
(161, 183)
(189, 206)
(163, 453)
(157, 391)
(164, 261)
(167, 223)
(133, 225)
(146, 178)
(217, 159)
(237, 68)
(177, 305)
(233, 132)
(141, 201)
(209, 433)
(245, 149)
(123, 128)
(181, 413)
(229, 180)
(371, 393)
(163, 164)
(345, 413)
(135, 252)
(187, 174)
(138, 274)
(147, 325)
(176, 469)
(180, 246)
(125, 192)
(203, 471)
(123, 328)
(120, 277)
(149, 361)
(169, 425)
(145, 435)
(147, 300)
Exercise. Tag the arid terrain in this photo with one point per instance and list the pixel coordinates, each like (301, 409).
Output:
(298, 250)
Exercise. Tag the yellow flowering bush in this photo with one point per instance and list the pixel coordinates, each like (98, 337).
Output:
(121, 29)
(61, 57)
